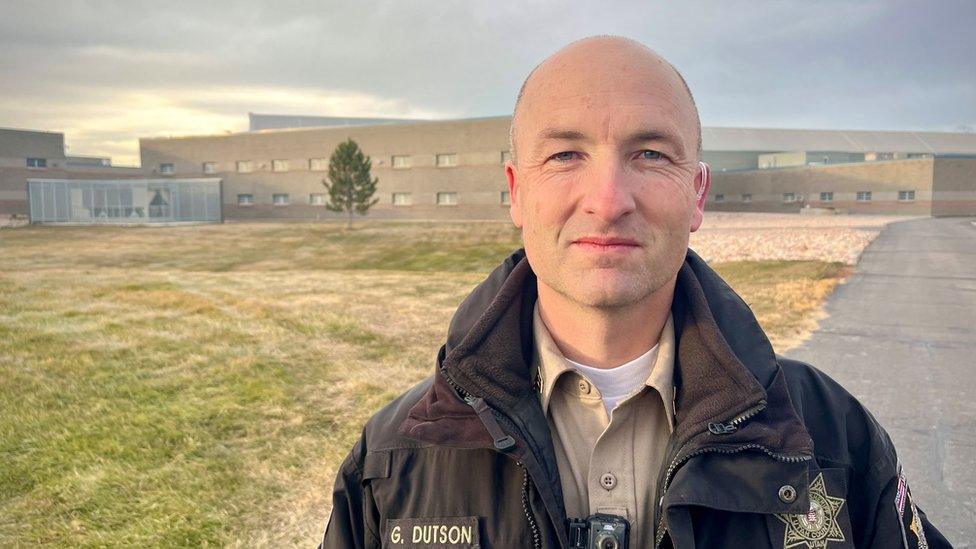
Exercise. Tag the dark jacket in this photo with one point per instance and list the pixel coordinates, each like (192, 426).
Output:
(767, 452)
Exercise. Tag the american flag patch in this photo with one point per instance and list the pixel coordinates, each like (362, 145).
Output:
(901, 492)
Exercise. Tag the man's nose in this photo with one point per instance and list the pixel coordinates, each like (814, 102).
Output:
(608, 194)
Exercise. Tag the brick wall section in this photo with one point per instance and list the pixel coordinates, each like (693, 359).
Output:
(954, 187)
(478, 179)
(884, 179)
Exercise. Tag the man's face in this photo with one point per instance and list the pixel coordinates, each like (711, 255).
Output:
(606, 180)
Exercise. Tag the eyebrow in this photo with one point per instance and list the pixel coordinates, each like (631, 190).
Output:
(640, 136)
(653, 135)
(560, 133)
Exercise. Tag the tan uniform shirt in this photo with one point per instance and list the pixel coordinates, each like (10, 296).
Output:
(608, 466)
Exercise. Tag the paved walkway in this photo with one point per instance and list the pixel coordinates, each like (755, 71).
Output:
(901, 336)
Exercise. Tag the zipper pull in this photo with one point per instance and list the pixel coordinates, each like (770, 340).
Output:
(501, 441)
(721, 428)
(730, 427)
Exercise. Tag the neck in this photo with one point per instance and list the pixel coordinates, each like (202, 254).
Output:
(601, 337)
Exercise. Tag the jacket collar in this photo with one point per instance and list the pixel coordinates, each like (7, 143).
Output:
(724, 363)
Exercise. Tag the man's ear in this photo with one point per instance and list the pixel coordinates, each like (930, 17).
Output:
(703, 181)
(514, 208)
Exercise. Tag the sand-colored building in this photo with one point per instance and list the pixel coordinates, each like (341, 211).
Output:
(39, 181)
(454, 169)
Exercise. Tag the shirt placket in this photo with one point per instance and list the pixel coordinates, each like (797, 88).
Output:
(610, 479)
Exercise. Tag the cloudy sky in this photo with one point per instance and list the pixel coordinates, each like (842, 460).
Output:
(107, 73)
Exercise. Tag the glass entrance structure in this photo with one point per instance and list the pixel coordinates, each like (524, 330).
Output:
(124, 201)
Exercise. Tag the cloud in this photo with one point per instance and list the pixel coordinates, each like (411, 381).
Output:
(107, 73)
(109, 122)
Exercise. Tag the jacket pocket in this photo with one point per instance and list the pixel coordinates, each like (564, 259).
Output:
(826, 525)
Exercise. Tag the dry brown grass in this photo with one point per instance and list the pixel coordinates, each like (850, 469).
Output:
(200, 385)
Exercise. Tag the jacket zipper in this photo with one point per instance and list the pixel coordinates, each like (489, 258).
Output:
(718, 428)
(503, 443)
(526, 481)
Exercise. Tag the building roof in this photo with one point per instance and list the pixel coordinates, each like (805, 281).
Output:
(259, 122)
(774, 140)
(759, 140)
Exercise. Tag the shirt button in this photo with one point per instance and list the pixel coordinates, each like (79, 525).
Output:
(608, 481)
(584, 386)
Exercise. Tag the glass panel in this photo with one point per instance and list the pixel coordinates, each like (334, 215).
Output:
(47, 203)
(140, 201)
(63, 202)
(126, 200)
(159, 203)
(35, 199)
(185, 198)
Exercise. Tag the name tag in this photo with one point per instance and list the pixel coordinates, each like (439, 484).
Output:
(433, 532)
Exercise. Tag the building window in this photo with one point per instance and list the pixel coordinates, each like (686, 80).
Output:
(906, 196)
(209, 167)
(279, 199)
(279, 165)
(827, 196)
(318, 164)
(402, 199)
(245, 199)
(400, 161)
(166, 167)
(316, 199)
(506, 156)
(447, 199)
(245, 166)
(789, 197)
(747, 197)
(864, 196)
(506, 198)
(720, 198)
(37, 162)
(447, 160)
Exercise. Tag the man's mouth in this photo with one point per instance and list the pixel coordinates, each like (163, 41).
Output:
(606, 244)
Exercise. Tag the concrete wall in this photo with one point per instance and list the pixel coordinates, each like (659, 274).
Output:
(478, 178)
(782, 159)
(731, 160)
(884, 179)
(18, 145)
(954, 186)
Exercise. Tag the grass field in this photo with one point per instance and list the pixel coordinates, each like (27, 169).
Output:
(197, 386)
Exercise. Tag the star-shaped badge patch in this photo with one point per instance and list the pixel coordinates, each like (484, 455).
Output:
(819, 525)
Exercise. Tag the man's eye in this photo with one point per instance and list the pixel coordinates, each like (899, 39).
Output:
(564, 156)
(651, 155)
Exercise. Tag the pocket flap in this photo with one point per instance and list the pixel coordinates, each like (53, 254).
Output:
(376, 465)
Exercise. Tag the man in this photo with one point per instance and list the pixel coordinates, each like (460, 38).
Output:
(607, 375)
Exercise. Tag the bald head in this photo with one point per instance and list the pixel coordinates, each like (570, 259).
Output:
(602, 65)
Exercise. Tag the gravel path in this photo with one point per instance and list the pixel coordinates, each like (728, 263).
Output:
(726, 236)
(901, 336)
(732, 236)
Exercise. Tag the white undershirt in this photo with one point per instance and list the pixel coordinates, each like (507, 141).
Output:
(619, 382)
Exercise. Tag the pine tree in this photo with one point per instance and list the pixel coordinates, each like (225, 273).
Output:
(352, 187)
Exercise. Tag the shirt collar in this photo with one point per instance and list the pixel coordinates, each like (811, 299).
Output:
(551, 364)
